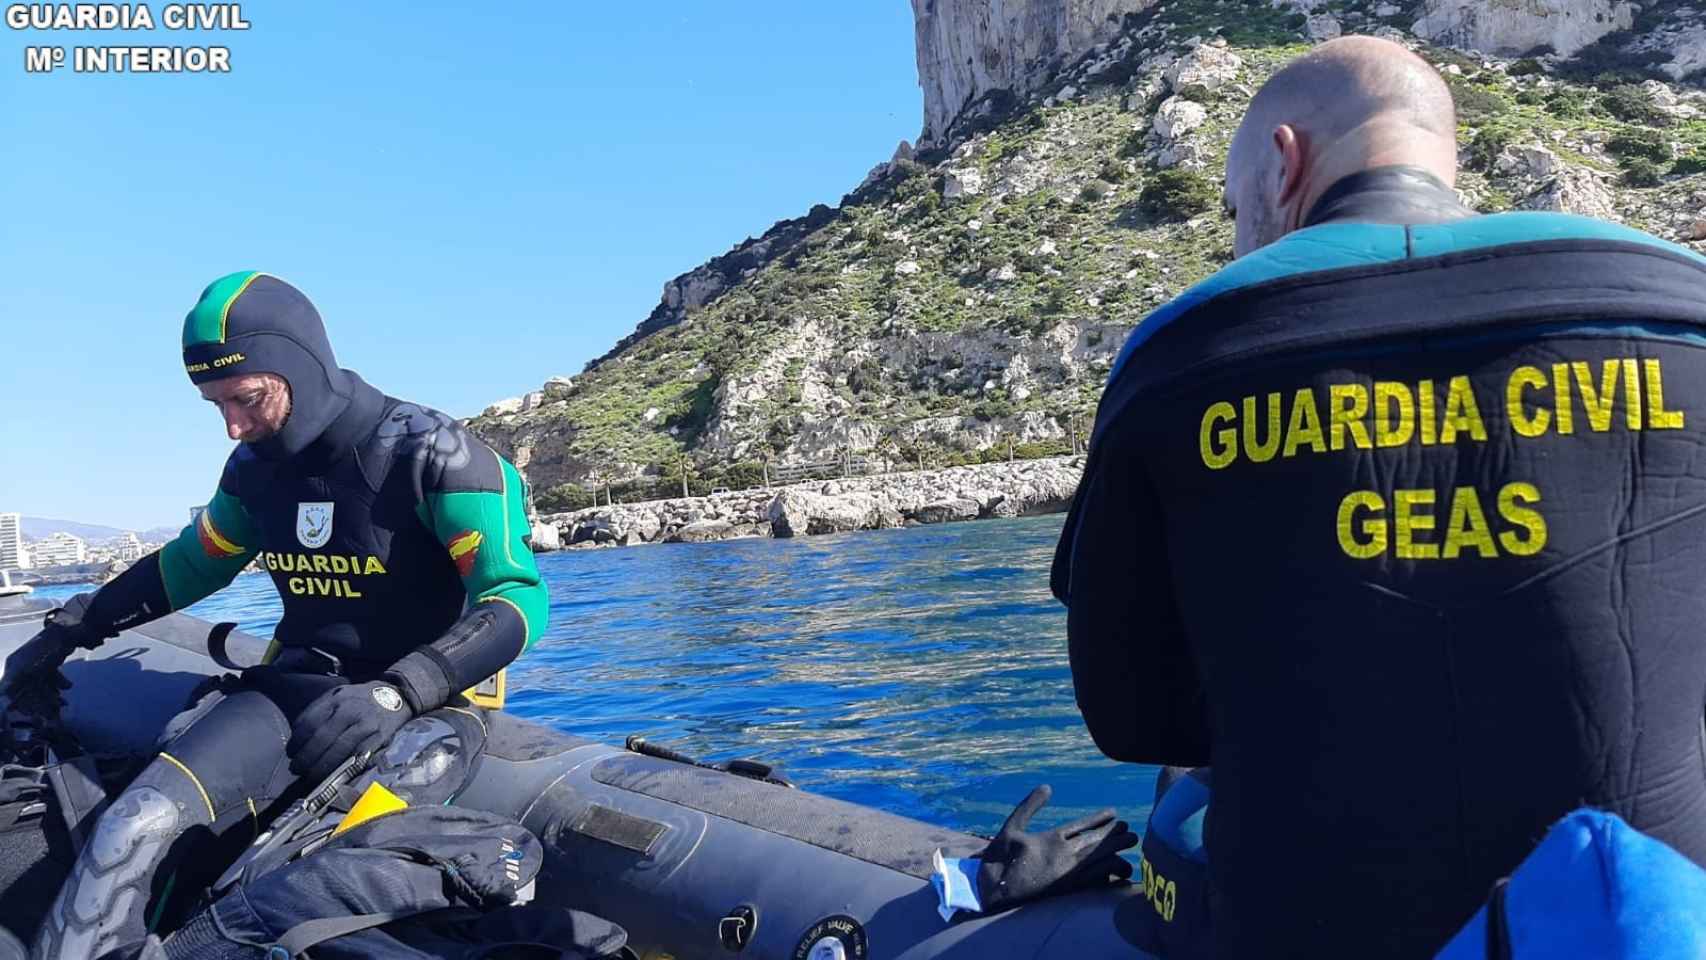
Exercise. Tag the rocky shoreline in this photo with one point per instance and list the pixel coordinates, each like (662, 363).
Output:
(1019, 489)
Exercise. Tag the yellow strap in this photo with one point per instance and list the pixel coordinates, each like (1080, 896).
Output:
(174, 761)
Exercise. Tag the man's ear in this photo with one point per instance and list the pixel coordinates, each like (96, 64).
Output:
(1289, 142)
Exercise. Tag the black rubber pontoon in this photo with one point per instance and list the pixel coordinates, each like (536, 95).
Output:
(696, 863)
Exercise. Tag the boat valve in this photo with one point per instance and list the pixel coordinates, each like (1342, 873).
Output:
(737, 927)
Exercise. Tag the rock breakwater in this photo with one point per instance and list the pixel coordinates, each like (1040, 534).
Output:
(1022, 488)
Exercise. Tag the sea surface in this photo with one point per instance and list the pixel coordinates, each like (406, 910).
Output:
(922, 671)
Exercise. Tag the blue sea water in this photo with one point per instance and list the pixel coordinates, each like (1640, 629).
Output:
(922, 671)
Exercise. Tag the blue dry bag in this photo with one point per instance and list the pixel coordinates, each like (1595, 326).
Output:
(1595, 887)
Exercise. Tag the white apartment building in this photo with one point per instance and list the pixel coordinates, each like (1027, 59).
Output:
(13, 554)
(60, 549)
(127, 548)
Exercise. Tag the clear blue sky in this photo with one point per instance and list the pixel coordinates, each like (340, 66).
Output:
(476, 196)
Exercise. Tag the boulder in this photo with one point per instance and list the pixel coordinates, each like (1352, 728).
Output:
(1573, 190)
(945, 511)
(1176, 117)
(1322, 26)
(701, 531)
(558, 388)
(966, 182)
(595, 530)
(1530, 162)
(1203, 70)
(648, 525)
(795, 513)
(504, 407)
(545, 537)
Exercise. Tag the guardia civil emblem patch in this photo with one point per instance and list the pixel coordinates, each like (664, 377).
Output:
(314, 523)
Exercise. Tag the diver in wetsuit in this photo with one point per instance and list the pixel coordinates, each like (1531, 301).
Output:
(1399, 520)
(399, 546)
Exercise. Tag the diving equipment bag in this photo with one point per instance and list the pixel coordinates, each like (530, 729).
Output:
(1178, 922)
(50, 792)
(418, 883)
(1594, 887)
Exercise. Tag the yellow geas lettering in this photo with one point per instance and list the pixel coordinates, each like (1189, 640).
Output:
(373, 566)
(297, 586)
(321, 565)
(1214, 457)
(1521, 422)
(1511, 496)
(1372, 542)
(1407, 521)
(1467, 526)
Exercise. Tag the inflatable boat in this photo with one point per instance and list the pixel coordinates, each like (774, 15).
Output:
(695, 863)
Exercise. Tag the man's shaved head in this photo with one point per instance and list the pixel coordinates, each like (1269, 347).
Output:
(1349, 105)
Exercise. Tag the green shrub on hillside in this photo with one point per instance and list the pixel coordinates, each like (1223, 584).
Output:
(1646, 144)
(1641, 172)
(1568, 104)
(1525, 67)
(1489, 142)
(1177, 194)
(1630, 103)
(1689, 165)
(1476, 105)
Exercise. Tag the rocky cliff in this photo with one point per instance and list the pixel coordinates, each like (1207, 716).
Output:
(972, 296)
(968, 48)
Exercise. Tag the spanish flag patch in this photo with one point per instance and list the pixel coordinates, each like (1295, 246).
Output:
(213, 543)
(463, 549)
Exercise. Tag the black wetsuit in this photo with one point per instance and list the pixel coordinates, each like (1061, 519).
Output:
(399, 547)
(1400, 522)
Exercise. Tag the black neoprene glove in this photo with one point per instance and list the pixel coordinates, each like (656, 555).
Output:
(347, 721)
(1019, 866)
(33, 668)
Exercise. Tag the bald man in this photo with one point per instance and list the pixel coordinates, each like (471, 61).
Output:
(1399, 520)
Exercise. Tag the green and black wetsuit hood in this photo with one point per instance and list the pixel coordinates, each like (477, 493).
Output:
(251, 322)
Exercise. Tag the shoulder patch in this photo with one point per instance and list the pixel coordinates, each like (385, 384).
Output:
(464, 548)
(214, 543)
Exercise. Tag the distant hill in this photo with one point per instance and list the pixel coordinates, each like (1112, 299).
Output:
(36, 528)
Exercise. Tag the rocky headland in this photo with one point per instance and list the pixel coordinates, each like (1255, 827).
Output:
(970, 296)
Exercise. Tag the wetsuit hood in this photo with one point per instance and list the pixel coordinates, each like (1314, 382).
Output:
(251, 322)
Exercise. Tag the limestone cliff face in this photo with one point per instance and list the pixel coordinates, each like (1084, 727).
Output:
(967, 48)
(1515, 26)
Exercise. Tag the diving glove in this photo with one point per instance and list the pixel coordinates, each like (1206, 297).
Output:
(1019, 866)
(34, 667)
(346, 721)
